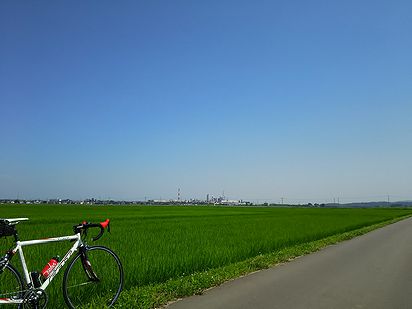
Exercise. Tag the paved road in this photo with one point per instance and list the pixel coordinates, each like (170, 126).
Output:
(372, 271)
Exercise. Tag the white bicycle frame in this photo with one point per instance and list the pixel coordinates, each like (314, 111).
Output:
(19, 249)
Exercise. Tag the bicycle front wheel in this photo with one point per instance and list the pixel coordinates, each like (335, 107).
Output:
(94, 277)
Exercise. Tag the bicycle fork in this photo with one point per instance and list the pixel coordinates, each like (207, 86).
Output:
(87, 265)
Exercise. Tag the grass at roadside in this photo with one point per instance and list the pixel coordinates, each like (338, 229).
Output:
(155, 295)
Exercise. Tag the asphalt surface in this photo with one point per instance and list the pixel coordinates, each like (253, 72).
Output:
(371, 271)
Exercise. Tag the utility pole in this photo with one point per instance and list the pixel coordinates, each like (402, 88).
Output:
(282, 200)
(388, 200)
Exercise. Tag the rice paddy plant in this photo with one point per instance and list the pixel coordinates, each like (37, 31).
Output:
(159, 243)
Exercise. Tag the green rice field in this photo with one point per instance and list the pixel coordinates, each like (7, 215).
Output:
(156, 244)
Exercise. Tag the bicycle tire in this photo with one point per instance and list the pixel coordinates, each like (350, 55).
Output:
(11, 284)
(94, 276)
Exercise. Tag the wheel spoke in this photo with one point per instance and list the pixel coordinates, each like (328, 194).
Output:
(80, 284)
(11, 284)
(97, 279)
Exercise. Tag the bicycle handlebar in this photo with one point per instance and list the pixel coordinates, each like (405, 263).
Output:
(84, 226)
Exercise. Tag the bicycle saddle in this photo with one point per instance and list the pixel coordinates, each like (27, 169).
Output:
(13, 221)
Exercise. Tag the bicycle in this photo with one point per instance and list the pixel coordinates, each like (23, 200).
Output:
(95, 274)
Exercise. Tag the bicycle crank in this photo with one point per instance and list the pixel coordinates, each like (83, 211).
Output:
(35, 299)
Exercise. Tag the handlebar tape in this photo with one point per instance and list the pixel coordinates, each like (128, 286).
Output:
(105, 224)
(102, 225)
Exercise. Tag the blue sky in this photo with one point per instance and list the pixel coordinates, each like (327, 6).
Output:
(307, 100)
